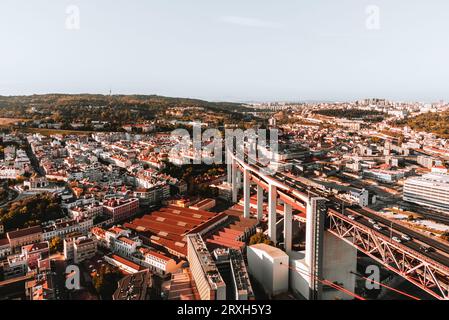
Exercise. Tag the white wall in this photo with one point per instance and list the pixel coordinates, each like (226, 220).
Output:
(271, 273)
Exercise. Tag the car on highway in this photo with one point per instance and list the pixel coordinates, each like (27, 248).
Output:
(427, 249)
(352, 217)
(371, 221)
(396, 239)
(406, 237)
(377, 227)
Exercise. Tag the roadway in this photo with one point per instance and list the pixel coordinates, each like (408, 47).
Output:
(393, 229)
(390, 228)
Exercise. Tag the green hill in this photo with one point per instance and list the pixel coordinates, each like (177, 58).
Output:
(433, 122)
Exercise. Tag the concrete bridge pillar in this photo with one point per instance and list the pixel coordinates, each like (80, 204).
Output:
(235, 189)
(259, 203)
(229, 163)
(325, 257)
(246, 194)
(239, 179)
(288, 227)
(272, 203)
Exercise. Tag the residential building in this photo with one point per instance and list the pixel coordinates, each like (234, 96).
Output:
(5, 248)
(79, 248)
(24, 236)
(209, 282)
(158, 262)
(35, 252)
(121, 209)
(14, 266)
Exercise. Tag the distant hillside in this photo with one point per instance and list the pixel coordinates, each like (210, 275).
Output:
(154, 101)
(115, 109)
(367, 115)
(433, 122)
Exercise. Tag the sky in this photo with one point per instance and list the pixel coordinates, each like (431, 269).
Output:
(228, 50)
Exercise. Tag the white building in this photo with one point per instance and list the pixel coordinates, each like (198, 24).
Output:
(158, 262)
(361, 197)
(125, 246)
(78, 249)
(5, 248)
(430, 190)
(270, 266)
(61, 228)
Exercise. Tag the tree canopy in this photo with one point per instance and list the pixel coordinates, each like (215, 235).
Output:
(31, 211)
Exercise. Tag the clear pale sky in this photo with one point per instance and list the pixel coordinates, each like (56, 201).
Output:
(239, 50)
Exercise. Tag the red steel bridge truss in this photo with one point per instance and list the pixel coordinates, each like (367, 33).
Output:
(422, 271)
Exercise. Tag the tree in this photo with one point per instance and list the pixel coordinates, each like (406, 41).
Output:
(105, 281)
(56, 245)
(260, 238)
(31, 211)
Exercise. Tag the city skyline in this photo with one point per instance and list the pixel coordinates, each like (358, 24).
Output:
(227, 52)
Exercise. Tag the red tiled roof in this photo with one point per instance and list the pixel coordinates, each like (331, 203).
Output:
(24, 232)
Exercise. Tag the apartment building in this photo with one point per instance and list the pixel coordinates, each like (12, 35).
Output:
(209, 282)
(158, 262)
(121, 209)
(430, 190)
(22, 237)
(79, 248)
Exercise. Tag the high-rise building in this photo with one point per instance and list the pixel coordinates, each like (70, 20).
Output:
(208, 280)
(430, 190)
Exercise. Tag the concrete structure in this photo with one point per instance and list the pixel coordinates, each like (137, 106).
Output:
(246, 194)
(25, 236)
(205, 273)
(77, 249)
(121, 209)
(5, 248)
(241, 284)
(313, 264)
(430, 190)
(204, 204)
(135, 287)
(35, 252)
(158, 262)
(270, 267)
(272, 203)
(123, 264)
(14, 266)
(361, 197)
(231, 265)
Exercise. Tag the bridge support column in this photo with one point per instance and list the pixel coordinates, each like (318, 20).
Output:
(287, 227)
(229, 163)
(259, 203)
(246, 194)
(339, 260)
(316, 214)
(239, 179)
(234, 182)
(272, 203)
(326, 257)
